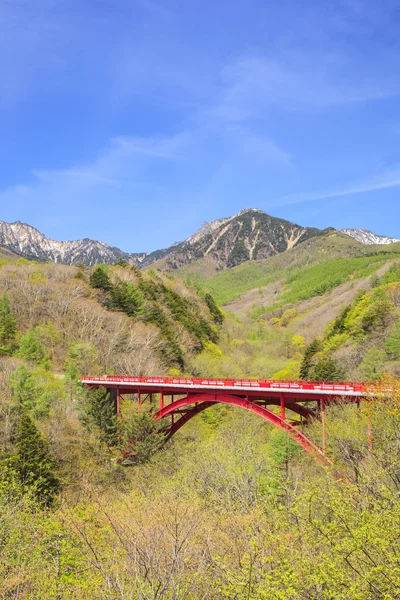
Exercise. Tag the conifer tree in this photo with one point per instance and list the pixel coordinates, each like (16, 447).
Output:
(98, 415)
(127, 298)
(326, 369)
(392, 345)
(33, 464)
(214, 309)
(308, 358)
(8, 327)
(100, 280)
(373, 365)
(32, 349)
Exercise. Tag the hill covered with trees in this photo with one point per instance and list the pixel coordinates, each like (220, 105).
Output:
(229, 508)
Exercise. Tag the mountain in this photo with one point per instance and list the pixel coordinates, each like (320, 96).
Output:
(27, 241)
(250, 234)
(365, 236)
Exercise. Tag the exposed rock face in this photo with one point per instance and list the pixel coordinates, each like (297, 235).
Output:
(30, 243)
(364, 236)
(251, 234)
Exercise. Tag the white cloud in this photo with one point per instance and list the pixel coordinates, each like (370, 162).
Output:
(386, 180)
(249, 87)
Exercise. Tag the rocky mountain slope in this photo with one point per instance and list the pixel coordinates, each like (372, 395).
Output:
(251, 234)
(365, 236)
(31, 243)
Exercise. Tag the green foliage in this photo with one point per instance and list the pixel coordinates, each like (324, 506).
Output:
(122, 263)
(392, 274)
(32, 350)
(142, 437)
(170, 351)
(308, 359)
(371, 312)
(126, 297)
(290, 372)
(100, 280)
(373, 365)
(98, 415)
(8, 328)
(392, 344)
(214, 310)
(34, 392)
(313, 281)
(80, 360)
(25, 391)
(32, 464)
(326, 369)
(347, 261)
(283, 447)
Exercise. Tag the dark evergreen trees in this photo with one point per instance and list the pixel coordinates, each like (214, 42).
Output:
(33, 464)
(326, 369)
(98, 415)
(127, 298)
(308, 358)
(214, 309)
(142, 438)
(100, 280)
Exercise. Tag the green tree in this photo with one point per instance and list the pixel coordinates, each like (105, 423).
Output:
(100, 280)
(308, 358)
(122, 263)
(373, 365)
(33, 463)
(283, 448)
(142, 438)
(32, 349)
(326, 369)
(392, 345)
(27, 393)
(127, 298)
(8, 328)
(214, 309)
(98, 415)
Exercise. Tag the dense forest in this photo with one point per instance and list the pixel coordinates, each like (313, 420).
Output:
(229, 508)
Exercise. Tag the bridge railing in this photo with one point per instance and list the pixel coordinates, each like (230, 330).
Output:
(218, 382)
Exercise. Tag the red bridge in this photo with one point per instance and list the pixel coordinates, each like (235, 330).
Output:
(182, 399)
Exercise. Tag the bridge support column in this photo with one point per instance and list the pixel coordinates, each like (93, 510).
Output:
(282, 403)
(161, 400)
(139, 400)
(116, 398)
(370, 439)
(323, 426)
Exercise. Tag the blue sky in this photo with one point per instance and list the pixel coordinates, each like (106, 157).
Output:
(133, 121)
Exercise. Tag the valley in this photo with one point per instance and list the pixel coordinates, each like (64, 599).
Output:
(103, 507)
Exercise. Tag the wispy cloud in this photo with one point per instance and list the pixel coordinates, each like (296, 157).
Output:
(249, 86)
(386, 180)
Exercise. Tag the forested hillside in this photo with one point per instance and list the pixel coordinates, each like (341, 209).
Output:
(229, 508)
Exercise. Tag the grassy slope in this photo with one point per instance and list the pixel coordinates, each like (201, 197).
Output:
(304, 265)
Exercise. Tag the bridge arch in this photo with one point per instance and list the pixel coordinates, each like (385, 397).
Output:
(200, 402)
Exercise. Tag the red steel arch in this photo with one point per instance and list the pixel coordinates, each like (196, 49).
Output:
(207, 400)
(183, 398)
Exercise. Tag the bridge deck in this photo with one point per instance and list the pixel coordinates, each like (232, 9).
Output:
(261, 387)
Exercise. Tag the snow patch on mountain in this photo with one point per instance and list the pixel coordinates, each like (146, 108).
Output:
(210, 226)
(365, 236)
(28, 241)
